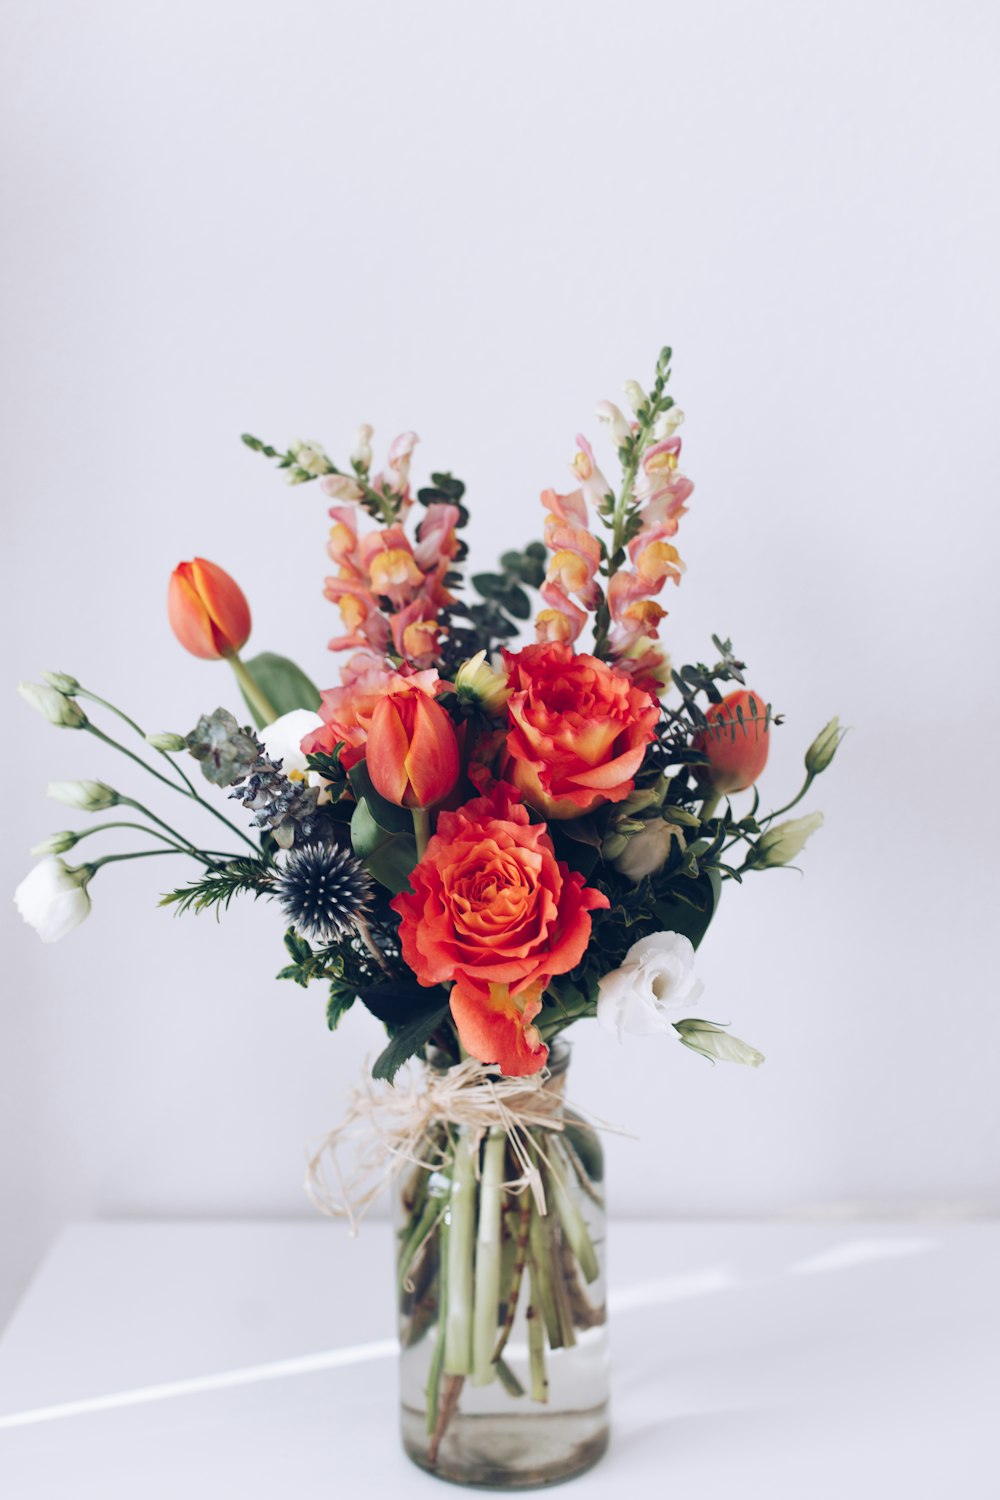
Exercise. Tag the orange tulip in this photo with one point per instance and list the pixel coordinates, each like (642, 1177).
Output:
(412, 751)
(207, 609)
(736, 752)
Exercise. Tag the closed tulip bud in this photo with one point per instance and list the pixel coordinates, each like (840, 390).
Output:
(412, 751)
(62, 682)
(781, 844)
(715, 1043)
(480, 685)
(171, 743)
(57, 843)
(53, 705)
(735, 743)
(207, 609)
(824, 747)
(88, 796)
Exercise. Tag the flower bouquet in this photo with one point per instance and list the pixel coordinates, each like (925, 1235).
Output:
(482, 844)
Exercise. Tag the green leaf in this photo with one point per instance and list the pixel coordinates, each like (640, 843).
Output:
(389, 856)
(407, 1043)
(387, 815)
(340, 1001)
(691, 913)
(284, 685)
(516, 602)
(396, 1002)
(490, 585)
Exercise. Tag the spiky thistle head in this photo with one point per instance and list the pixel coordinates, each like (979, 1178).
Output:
(323, 890)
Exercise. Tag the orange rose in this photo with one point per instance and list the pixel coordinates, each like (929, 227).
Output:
(492, 911)
(736, 751)
(579, 730)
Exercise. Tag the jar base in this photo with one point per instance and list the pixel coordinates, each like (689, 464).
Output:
(511, 1452)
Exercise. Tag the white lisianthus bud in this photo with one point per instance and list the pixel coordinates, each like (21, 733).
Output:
(57, 843)
(341, 487)
(88, 796)
(634, 395)
(53, 705)
(716, 1043)
(310, 458)
(62, 682)
(53, 898)
(781, 844)
(171, 743)
(654, 988)
(361, 453)
(481, 685)
(667, 423)
(618, 424)
(648, 851)
(283, 741)
(824, 747)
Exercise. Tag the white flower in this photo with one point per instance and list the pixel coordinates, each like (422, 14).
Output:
(634, 395)
(53, 898)
(88, 796)
(65, 712)
(618, 424)
(341, 487)
(654, 988)
(667, 423)
(310, 458)
(57, 843)
(782, 843)
(477, 681)
(283, 739)
(361, 453)
(715, 1043)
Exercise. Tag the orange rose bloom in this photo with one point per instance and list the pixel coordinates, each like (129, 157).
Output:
(492, 911)
(736, 752)
(579, 730)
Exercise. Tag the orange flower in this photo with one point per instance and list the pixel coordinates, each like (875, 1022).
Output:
(579, 730)
(412, 750)
(492, 911)
(207, 609)
(736, 752)
(347, 711)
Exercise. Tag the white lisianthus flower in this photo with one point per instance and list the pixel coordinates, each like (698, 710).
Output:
(88, 796)
(53, 898)
(717, 1044)
(283, 741)
(53, 705)
(648, 851)
(785, 841)
(655, 987)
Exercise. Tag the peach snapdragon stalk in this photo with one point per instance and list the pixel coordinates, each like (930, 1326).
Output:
(481, 840)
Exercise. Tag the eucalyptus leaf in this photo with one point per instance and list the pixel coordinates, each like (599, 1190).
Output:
(389, 856)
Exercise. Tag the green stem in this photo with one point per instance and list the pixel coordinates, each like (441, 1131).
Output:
(517, 1274)
(437, 1359)
(572, 1221)
(461, 1250)
(789, 805)
(181, 841)
(709, 805)
(111, 859)
(94, 698)
(154, 833)
(536, 1343)
(542, 1293)
(486, 1314)
(421, 829)
(257, 699)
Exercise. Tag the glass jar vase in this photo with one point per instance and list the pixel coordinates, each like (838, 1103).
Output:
(500, 1279)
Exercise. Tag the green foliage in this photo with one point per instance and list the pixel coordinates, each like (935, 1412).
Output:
(408, 1042)
(216, 888)
(381, 833)
(284, 685)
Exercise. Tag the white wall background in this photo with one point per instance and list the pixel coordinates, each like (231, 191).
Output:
(476, 221)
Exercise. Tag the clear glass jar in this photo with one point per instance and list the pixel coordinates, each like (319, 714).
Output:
(504, 1357)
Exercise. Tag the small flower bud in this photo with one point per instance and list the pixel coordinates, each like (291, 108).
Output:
(480, 685)
(62, 682)
(52, 705)
(172, 743)
(824, 747)
(618, 424)
(57, 843)
(667, 423)
(88, 796)
(361, 453)
(310, 459)
(715, 1042)
(648, 850)
(634, 395)
(781, 844)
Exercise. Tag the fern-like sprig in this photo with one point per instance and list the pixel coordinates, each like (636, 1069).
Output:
(216, 888)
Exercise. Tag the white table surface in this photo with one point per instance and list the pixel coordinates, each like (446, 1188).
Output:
(160, 1361)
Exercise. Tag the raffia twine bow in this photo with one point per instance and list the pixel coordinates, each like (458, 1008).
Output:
(393, 1126)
